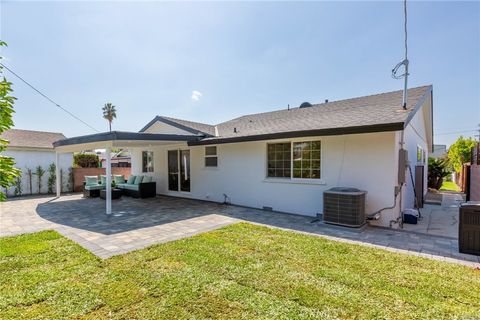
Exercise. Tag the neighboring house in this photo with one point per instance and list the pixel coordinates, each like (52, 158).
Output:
(120, 159)
(31, 149)
(284, 160)
(439, 151)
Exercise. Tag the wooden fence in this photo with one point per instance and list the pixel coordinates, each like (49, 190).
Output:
(80, 173)
(475, 174)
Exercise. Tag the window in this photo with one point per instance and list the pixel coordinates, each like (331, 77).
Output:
(420, 154)
(306, 159)
(211, 159)
(147, 161)
(279, 157)
(179, 170)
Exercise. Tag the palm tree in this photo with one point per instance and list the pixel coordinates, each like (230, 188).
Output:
(109, 113)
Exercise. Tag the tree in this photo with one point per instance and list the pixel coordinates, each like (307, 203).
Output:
(52, 177)
(438, 169)
(109, 113)
(39, 172)
(8, 173)
(30, 179)
(460, 152)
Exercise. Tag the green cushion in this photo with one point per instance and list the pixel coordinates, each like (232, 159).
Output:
(119, 179)
(146, 179)
(121, 185)
(94, 187)
(91, 180)
(131, 179)
(131, 187)
(103, 179)
(138, 179)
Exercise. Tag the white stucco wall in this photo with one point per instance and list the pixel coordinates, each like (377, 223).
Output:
(365, 161)
(415, 134)
(31, 158)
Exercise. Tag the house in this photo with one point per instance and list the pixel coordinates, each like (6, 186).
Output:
(31, 149)
(439, 151)
(120, 159)
(284, 160)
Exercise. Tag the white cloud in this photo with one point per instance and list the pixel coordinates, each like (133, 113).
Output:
(196, 95)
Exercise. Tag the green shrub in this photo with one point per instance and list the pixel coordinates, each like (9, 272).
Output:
(52, 177)
(438, 169)
(83, 160)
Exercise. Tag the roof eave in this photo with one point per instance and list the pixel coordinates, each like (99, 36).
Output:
(119, 135)
(303, 133)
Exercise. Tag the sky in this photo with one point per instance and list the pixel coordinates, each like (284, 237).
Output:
(213, 61)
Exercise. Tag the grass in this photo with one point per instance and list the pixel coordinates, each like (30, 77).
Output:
(449, 186)
(240, 271)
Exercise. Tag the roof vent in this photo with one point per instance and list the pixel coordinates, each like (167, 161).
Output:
(326, 100)
(306, 105)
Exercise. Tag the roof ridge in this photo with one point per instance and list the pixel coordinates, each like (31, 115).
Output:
(36, 131)
(371, 95)
(178, 119)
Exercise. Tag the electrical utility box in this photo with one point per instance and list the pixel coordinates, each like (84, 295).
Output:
(402, 165)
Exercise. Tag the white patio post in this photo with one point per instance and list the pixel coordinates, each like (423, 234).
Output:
(108, 199)
(58, 178)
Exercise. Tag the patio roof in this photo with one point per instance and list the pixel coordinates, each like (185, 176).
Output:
(109, 140)
(119, 139)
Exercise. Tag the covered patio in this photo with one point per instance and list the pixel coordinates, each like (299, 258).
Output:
(110, 140)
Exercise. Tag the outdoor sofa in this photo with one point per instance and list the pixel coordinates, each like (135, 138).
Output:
(136, 186)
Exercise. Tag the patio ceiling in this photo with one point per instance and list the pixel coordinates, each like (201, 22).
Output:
(119, 139)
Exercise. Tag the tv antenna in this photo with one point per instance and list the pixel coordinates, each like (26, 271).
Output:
(404, 62)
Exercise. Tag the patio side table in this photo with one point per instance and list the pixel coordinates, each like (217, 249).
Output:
(116, 194)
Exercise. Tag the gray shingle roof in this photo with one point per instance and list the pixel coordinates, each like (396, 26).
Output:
(379, 112)
(31, 139)
(379, 109)
(201, 127)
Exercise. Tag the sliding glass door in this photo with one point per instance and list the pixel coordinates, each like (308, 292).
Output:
(179, 170)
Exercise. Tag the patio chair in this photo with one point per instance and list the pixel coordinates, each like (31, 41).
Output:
(91, 187)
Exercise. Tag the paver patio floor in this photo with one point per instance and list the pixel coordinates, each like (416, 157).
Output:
(138, 223)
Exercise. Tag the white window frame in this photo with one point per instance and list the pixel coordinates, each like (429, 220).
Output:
(210, 156)
(153, 161)
(422, 155)
(179, 164)
(292, 179)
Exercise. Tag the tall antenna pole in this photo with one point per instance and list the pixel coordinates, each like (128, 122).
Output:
(405, 88)
(404, 62)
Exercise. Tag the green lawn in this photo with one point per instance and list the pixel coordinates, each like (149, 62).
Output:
(241, 271)
(449, 186)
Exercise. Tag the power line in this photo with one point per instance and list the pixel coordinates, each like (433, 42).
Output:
(46, 97)
(454, 132)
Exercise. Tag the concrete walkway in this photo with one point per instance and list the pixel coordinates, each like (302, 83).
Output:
(439, 220)
(138, 223)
